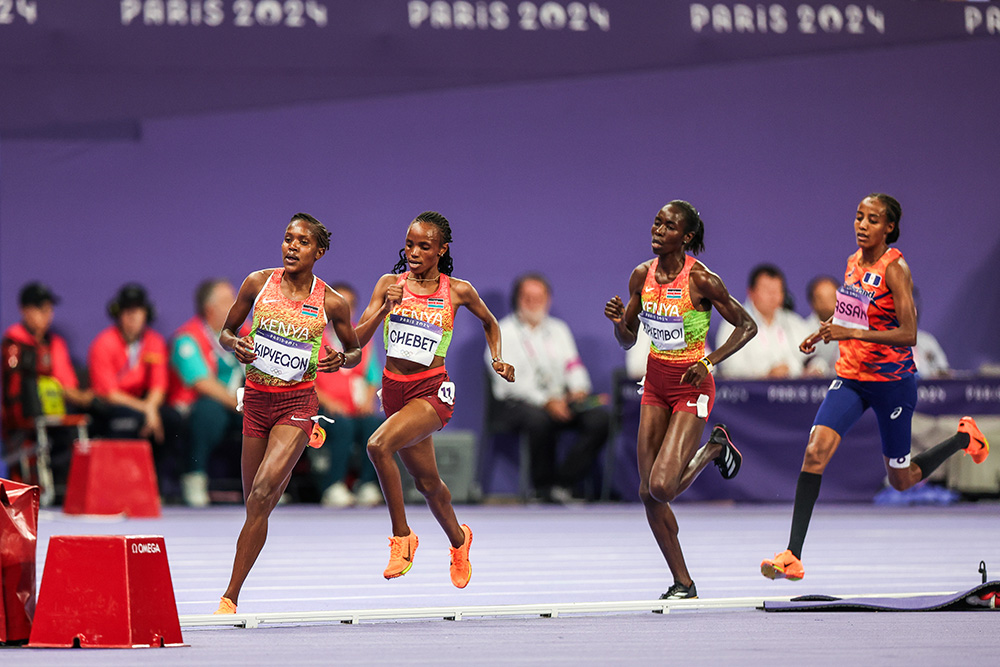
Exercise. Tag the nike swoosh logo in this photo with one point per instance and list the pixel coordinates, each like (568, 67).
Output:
(298, 419)
(692, 405)
(270, 300)
(408, 556)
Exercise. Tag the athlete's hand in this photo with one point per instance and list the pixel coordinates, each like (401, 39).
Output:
(504, 370)
(695, 374)
(808, 346)
(829, 331)
(331, 362)
(614, 310)
(393, 296)
(244, 350)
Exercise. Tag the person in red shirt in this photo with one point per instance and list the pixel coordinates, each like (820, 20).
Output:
(37, 364)
(128, 371)
(348, 396)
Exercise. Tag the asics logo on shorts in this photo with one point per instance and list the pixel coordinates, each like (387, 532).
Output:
(895, 413)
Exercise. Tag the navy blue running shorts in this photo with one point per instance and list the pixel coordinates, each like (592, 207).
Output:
(893, 403)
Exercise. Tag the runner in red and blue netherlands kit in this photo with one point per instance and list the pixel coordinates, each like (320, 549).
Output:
(291, 307)
(672, 296)
(875, 321)
(416, 308)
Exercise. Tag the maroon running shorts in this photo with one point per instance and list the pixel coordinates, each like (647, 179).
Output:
(662, 387)
(263, 410)
(431, 385)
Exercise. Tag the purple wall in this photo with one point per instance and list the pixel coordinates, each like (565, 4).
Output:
(562, 177)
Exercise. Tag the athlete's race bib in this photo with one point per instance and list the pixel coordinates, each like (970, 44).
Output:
(852, 308)
(665, 331)
(412, 339)
(278, 356)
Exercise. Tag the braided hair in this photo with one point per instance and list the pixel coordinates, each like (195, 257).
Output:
(317, 228)
(445, 263)
(893, 213)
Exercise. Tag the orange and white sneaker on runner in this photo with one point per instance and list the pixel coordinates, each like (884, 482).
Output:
(317, 437)
(461, 568)
(978, 447)
(226, 606)
(401, 550)
(783, 566)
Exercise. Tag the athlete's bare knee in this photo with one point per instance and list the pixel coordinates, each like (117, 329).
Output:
(901, 482)
(663, 491)
(379, 450)
(815, 459)
(262, 498)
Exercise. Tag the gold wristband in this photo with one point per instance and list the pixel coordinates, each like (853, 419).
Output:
(707, 363)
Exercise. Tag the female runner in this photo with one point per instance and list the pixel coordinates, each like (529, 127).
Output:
(672, 295)
(418, 307)
(291, 307)
(876, 323)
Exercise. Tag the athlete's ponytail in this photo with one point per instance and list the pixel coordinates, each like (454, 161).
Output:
(694, 224)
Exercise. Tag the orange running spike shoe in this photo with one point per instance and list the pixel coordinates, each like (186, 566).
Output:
(226, 606)
(978, 447)
(401, 550)
(461, 568)
(318, 436)
(783, 566)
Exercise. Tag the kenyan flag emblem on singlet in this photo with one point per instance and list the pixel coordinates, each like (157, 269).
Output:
(310, 310)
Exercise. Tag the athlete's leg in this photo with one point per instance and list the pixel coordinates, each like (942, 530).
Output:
(660, 468)
(273, 470)
(680, 445)
(414, 422)
(421, 464)
(705, 455)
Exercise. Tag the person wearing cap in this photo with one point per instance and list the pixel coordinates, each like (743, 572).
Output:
(128, 371)
(38, 374)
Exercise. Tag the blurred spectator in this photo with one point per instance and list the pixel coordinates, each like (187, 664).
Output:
(928, 355)
(348, 397)
(774, 351)
(128, 370)
(38, 376)
(551, 393)
(204, 377)
(822, 293)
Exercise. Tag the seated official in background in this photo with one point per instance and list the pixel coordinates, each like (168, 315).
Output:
(38, 378)
(348, 397)
(128, 371)
(204, 377)
(822, 293)
(774, 351)
(552, 391)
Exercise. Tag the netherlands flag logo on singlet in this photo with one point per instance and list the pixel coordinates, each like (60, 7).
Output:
(674, 293)
(872, 279)
(310, 310)
(435, 303)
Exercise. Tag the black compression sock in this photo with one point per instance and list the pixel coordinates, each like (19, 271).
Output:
(806, 493)
(929, 461)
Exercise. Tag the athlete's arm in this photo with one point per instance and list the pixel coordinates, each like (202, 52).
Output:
(229, 338)
(707, 285)
(385, 295)
(626, 317)
(466, 295)
(900, 282)
(339, 315)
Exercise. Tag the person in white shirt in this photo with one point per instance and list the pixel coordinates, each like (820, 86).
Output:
(552, 392)
(822, 293)
(774, 351)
